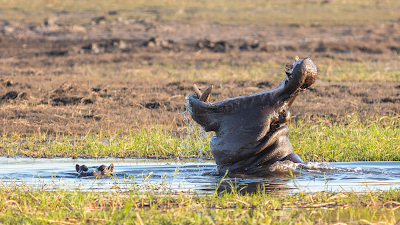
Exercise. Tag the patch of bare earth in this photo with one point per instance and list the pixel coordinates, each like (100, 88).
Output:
(124, 106)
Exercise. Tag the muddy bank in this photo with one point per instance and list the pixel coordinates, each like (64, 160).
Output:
(147, 41)
(81, 107)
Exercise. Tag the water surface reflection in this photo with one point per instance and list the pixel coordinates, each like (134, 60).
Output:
(200, 177)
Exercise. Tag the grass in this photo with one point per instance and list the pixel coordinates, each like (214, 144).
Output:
(328, 71)
(26, 205)
(145, 143)
(359, 71)
(305, 12)
(347, 141)
(320, 140)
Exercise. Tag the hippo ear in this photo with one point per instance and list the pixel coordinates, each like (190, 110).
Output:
(77, 167)
(111, 168)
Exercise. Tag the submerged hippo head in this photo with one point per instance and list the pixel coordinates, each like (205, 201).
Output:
(249, 130)
(83, 171)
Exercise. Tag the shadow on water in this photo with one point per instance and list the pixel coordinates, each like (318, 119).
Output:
(198, 177)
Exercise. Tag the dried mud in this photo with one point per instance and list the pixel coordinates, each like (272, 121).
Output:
(35, 98)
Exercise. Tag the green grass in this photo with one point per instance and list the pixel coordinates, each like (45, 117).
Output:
(328, 71)
(25, 205)
(144, 143)
(319, 140)
(347, 141)
(306, 12)
(359, 71)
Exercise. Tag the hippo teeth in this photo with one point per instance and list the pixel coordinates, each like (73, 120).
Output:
(290, 66)
(206, 94)
(196, 90)
(288, 69)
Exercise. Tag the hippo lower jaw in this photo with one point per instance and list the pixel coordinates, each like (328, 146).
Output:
(249, 130)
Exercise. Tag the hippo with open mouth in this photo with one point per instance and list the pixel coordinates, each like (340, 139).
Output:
(101, 171)
(249, 130)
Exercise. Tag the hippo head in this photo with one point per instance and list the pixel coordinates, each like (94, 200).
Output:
(83, 171)
(250, 130)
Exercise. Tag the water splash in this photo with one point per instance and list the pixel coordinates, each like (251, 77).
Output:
(195, 140)
(283, 166)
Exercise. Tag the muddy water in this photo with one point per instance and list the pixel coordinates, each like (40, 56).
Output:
(199, 177)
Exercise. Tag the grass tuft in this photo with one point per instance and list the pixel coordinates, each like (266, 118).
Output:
(319, 140)
(23, 205)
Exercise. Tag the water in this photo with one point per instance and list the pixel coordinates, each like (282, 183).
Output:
(195, 138)
(197, 177)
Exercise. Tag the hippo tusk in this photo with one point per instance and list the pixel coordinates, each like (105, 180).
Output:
(206, 94)
(288, 67)
(196, 90)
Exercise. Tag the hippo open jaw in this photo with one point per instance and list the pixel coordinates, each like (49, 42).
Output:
(250, 130)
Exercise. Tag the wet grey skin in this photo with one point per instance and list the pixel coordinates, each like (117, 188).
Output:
(249, 130)
(101, 171)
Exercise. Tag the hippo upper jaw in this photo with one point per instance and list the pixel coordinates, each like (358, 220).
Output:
(301, 76)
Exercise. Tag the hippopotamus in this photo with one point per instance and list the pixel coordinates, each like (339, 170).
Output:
(101, 171)
(250, 130)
